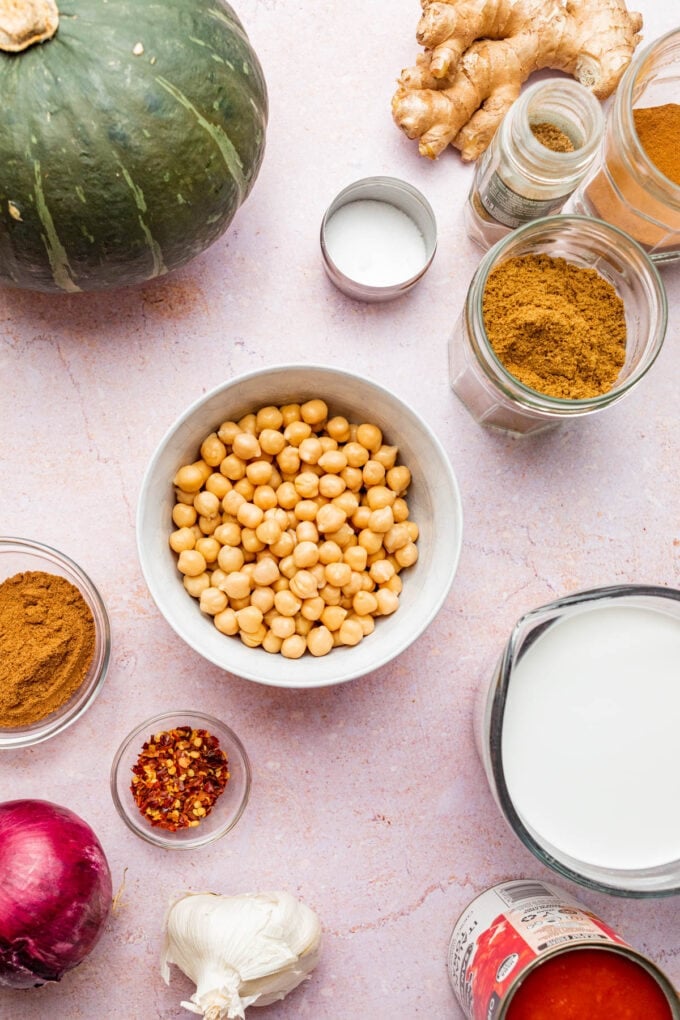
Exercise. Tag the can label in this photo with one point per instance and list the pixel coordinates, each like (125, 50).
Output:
(505, 930)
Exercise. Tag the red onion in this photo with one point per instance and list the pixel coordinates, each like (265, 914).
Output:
(55, 892)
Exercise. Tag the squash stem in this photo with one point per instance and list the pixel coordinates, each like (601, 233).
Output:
(25, 22)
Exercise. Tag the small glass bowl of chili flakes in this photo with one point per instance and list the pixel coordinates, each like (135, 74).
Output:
(181, 780)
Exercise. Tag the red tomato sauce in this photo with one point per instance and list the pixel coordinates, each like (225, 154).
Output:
(589, 983)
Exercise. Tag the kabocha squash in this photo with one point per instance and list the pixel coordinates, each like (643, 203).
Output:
(130, 133)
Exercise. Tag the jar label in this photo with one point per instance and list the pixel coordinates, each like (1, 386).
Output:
(511, 209)
(504, 931)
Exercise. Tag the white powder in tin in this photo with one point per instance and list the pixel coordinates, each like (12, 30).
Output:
(374, 243)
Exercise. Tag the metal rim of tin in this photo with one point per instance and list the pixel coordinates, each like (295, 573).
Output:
(407, 199)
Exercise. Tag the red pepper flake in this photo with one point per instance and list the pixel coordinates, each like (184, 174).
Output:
(178, 776)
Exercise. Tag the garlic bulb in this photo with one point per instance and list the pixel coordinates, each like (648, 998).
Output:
(240, 951)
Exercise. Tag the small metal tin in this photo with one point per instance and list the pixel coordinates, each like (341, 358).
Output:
(405, 198)
(509, 930)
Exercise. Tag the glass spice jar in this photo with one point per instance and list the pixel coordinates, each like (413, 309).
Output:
(496, 398)
(626, 188)
(520, 178)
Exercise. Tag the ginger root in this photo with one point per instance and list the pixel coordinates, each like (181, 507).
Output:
(479, 52)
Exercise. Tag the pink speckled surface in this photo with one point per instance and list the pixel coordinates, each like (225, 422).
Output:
(368, 800)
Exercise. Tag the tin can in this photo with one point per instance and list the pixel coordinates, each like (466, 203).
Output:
(509, 930)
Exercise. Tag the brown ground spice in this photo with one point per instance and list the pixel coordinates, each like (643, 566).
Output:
(557, 327)
(551, 137)
(47, 642)
(658, 128)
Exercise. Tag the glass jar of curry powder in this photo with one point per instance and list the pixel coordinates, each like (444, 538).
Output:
(496, 398)
(627, 188)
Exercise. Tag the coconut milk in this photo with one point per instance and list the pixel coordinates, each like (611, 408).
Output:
(590, 737)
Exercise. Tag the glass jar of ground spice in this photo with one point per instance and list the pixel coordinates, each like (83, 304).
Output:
(636, 184)
(54, 642)
(544, 146)
(562, 318)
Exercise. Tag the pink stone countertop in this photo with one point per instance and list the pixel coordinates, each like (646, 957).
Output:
(368, 800)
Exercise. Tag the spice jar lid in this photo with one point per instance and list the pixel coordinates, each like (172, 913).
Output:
(378, 238)
(161, 785)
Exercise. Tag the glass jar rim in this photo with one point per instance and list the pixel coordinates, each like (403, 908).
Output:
(525, 396)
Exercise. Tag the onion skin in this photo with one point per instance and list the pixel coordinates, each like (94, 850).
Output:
(55, 892)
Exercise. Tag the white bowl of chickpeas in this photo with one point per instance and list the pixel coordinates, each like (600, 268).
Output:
(299, 526)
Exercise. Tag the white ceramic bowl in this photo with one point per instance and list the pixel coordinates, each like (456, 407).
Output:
(433, 498)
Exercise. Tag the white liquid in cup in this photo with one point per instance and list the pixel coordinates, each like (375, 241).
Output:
(374, 243)
(591, 736)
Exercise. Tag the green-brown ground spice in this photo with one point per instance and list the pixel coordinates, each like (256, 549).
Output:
(557, 327)
(551, 137)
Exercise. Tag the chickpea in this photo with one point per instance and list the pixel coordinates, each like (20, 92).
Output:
(307, 484)
(290, 413)
(373, 473)
(400, 510)
(230, 559)
(282, 626)
(303, 585)
(306, 510)
(332, 486)
(396, 538)
(237, 604)
(356, 454)
(329, 552)
(394, 584)
(388, 601)
(296, 432)
(381, 520)
(265, 497)
(333, 462)
(182, 540)
(338, 428)
(287, 567)
(206, 504)
(367, 623)
(212, 601)
(399, 479)
(249, 515)
(268, 418)
(353, 585)
(269, 532)
(272, 643)
(314, 412)
(191, 562)
(232, 501)
(338, 574)
(370, 540)
(361, 517)
(265, 572)
(251, 542)
(183, 515)
(310, 450)
(319, 640)
(369, 436)
(209, 548)
(255, 639)
(356, 557)
(248, 423)
(306, 531)
(213, 450)
(293, 647)
(195, 585)
(237, 585)
(286, 603)
(284, 546)
(364, 603)
(387, 456)
(246, 446)
(312, 608)
(226, 622)
(259, 472)
(302, 625)
(305, 554)
(249, 619)
(351, 632)
(218, 485)
(330, 594)
(407, 555)
(353, 478)
(413, 530)
(189, 478)
(271, 441)
(381, 571)
(227, 432)
(333, 617)
(288, 460)
(207, 525)
(232, 467)
(344, 536)
(379, 496)
(329, 518)
(246, 488)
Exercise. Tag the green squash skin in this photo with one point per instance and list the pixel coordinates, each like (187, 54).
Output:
(116, 168)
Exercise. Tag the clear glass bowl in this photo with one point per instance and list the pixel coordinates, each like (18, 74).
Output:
(567, 739)
(496, 398)
(228, 807)
(16, 556)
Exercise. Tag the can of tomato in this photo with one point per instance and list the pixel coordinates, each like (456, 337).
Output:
(526, 950)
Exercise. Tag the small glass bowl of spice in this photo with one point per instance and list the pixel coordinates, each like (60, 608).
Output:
(563, 317)
(54, 642)
(181, 780)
